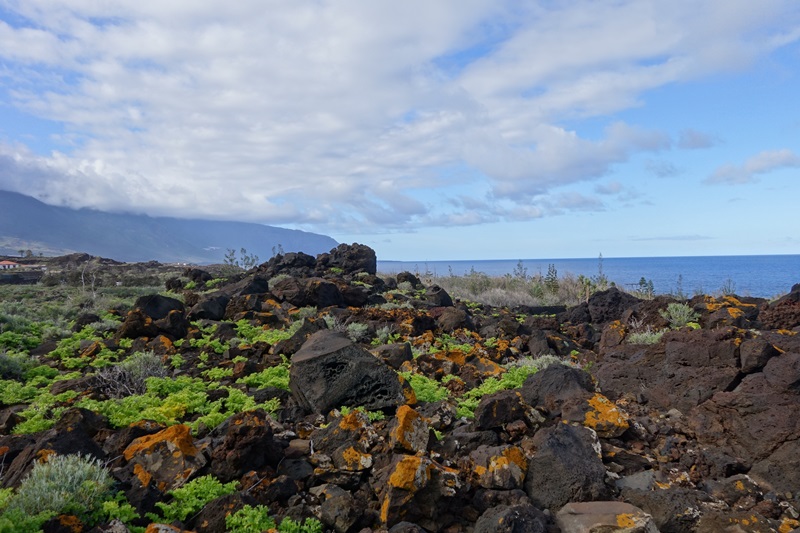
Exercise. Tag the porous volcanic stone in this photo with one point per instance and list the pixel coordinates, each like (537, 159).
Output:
(330, 371)
(565, 468)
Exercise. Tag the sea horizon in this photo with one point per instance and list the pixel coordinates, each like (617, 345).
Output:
(763, 275)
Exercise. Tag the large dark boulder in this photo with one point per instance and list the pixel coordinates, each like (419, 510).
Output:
(438, 297)
(331, 371)
(157, 306)
(210, 307)
(521, 518)
(350, 258)
(757, 422)
(296, 264)
(783, 313)
(322, 293)
(242, 443)
(565, 468)
(555, 385)
(602, 307)
(681, 372)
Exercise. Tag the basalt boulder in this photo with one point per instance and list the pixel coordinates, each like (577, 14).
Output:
(757, 422)
(783, 313)
(157, 306)
(681, 372)
(565, 468)
(350, 258)
(602, 307)
(296, 264)
(330, 371)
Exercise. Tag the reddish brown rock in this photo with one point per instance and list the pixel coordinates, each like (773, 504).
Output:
(164, 460)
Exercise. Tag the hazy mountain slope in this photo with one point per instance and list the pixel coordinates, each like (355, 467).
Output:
(27, 223)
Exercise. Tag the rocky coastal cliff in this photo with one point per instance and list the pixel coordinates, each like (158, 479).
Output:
(316, 389)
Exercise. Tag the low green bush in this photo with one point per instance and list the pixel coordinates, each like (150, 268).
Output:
(646, 336)
(678, 315)
(192, 497)
(425, 388)
(65, 484)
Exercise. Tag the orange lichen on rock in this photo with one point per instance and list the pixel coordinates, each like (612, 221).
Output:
(604, 417)
(179, 435)
(355, 460)
(144, 476)
(735, 312)
(411, 431)
(351, 421)
(408, 393)
(626, 520)
(70, 522)
(788, 524)
(411, 473)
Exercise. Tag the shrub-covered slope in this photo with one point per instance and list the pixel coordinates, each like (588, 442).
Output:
(311, 394)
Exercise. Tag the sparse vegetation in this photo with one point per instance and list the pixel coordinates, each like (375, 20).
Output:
(679, 315)
(63, 484)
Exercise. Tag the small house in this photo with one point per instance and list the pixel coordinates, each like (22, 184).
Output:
(7, 265)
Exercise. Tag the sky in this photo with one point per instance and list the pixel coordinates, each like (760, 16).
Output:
(455, 129)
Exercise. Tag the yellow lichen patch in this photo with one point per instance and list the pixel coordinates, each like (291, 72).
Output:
(515, 455)
(408, 393)
(739, 485)
(604, 417)
(385, 510)
(411, 473)
(44, 454)
(787, 332)
(356, 460)
(617, 326)
(626, 520)
(425, 338)
(787, 525)
(179, 435)
(70, 522)
(143, 475)
(406, 417)
(737, 302)
(735, 312)
(351, 422)
(456, 356)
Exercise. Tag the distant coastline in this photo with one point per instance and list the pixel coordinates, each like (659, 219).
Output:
(762, 276)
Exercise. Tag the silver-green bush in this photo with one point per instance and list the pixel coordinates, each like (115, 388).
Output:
(65, 484)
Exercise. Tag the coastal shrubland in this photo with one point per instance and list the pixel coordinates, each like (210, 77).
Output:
(313, 394)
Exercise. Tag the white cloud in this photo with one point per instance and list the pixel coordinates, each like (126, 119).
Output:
(760, 163)
(349, 115)
(694, 140)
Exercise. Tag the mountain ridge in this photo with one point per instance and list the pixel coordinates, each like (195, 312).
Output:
(29, 224)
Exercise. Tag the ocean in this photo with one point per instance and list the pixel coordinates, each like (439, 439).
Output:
(765, 276)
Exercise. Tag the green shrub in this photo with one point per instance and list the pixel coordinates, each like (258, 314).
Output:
(14, 366)
(309, 525)
(249, 519)
(515, 375)
(129, 377)
(678, 315)
(275, 376)
(425, 388)
(357, 331)
(192, 497)
(65, 484)
(646, 336)
(253, 334)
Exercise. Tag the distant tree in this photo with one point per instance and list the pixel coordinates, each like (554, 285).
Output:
(277, 250)
(21, 253)
(28, 253)
(244, 261)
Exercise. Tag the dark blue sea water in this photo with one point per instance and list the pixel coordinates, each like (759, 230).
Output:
(764, 276)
